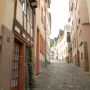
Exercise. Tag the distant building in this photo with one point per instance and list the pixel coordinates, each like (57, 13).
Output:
(52, 53)
(63, 45)
(60, 32)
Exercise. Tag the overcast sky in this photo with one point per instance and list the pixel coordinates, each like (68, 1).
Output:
(60, 14)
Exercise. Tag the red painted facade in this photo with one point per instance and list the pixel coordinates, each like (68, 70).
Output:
(42, 45)
(39, 36)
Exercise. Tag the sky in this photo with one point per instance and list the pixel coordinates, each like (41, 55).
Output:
(59, 15)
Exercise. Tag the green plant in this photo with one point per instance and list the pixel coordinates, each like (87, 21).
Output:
(30, 68)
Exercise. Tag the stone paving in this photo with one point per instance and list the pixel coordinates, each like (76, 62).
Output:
(63, 76)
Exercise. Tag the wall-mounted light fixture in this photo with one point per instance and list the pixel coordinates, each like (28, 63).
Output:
(33, 3)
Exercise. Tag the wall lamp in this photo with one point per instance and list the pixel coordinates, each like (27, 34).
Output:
(33, 3)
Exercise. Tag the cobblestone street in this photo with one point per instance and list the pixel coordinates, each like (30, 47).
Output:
(62, 76)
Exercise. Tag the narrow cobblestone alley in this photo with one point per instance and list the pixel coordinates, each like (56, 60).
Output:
(63, 76)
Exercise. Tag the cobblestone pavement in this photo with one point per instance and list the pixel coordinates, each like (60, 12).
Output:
(62, 76)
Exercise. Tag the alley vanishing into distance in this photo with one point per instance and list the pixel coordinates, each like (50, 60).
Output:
(44, 44)
(63, 76)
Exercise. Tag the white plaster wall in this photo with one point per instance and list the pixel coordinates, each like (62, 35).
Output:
(19, 12)
(61, 48)
(88, 6)
(8, 13)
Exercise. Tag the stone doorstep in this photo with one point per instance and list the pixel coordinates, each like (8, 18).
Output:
(88, 73)
(82, 70)
(36, 77)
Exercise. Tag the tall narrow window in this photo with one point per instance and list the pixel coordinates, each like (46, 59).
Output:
(15, 68)
(30, 17)
(68, 37)
(24, 7)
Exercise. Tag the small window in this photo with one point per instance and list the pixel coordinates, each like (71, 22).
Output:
(68, 37)
(81, 55)
(78, 20)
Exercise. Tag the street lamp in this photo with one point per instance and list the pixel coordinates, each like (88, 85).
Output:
(33, 3)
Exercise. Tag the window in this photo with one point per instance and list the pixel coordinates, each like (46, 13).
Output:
(30, 18)
(29, 13)
(76, 4)
(72, 4)
(15, 68)
(79, 20)
(72, 45)
(82, 56)
(77, 27)
(75, 43)
(24, 7)
(42, 15)
(80, 32)
(68, 37)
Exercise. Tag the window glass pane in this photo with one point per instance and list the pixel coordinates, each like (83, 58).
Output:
(68, 37)
(24, 7)
(14, 74)
(29, 14)
(16, 81)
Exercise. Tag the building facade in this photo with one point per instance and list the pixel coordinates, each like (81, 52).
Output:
(64, 45)
(24, 25)
(79, 21)
(51, 53)
(40, 37)
(68, 43)
(16, 43)
(48, 32)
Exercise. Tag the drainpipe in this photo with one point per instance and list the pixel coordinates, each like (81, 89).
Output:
(45, 47)
(45, 41)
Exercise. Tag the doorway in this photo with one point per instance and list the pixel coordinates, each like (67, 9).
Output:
(28, 68)
(17, 80)
(15, 67)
